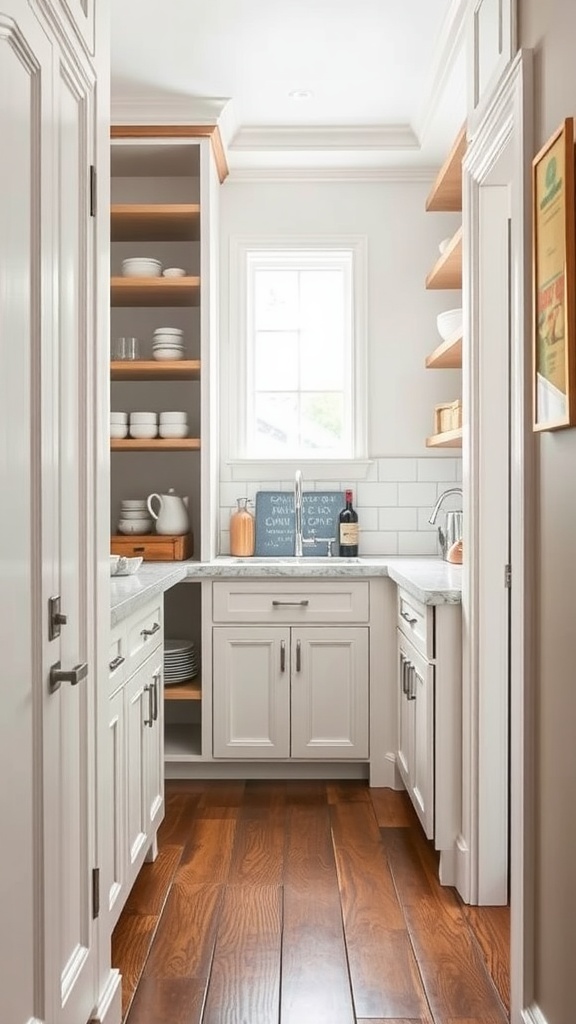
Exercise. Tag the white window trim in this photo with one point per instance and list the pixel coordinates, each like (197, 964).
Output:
(237, 365)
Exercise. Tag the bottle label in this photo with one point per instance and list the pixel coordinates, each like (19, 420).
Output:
(348, 534)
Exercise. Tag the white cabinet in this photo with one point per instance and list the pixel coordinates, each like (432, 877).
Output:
(416, 730)
(429, 720)
(293, 690)
(136, 724)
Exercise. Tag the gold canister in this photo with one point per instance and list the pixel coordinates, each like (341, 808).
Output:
(242, 530)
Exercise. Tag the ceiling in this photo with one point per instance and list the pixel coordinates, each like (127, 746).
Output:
(383, 82)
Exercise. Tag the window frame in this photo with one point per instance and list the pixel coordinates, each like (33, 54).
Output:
(239, 362)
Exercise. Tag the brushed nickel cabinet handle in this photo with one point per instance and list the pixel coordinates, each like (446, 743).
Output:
(155, 694)
(412, 684)
(150, 720)
(297, 604)
(298, 656)
(116, 662)
(150, 632)
(73, 676)
(408, 618)
(282, 655)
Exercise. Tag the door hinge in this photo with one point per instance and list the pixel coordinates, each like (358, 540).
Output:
(507, 575)
(56, 618)
(95, 892)
(92, 190)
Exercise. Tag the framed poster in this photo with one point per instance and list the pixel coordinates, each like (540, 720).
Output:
(554, 284)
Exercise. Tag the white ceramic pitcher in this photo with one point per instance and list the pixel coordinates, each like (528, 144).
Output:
(172, 515)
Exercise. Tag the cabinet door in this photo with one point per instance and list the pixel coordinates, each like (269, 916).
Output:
(405, 751)
(138, 710)
(422, 781)
(154, 745)
(115, 883)
(251, 692)
(329, 701)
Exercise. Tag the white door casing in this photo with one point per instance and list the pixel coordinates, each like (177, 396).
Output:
(492, 44)
(501, 155)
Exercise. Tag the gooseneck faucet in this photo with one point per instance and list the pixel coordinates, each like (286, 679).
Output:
(299, 540)
(436, 509)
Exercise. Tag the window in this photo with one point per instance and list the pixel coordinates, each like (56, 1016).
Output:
(299, 353)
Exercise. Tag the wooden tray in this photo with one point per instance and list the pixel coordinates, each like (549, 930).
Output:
(152, 547)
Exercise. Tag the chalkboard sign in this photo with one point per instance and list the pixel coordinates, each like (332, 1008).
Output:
(275, 521)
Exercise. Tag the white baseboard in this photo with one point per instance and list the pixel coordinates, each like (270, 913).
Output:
(109, 1009)
(533, 1015)
(462, 879)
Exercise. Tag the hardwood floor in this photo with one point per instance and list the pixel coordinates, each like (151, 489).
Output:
(303, 903)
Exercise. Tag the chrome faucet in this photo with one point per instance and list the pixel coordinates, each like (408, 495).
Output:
(453, 528)
(299, 540)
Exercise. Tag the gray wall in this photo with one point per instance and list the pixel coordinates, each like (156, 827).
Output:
(549, 28)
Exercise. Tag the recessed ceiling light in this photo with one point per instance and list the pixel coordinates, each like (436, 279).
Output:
(300, 94)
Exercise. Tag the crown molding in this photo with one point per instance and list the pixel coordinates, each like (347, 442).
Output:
(272, 138)
(154, 109)
(403, 175)
(448, 48)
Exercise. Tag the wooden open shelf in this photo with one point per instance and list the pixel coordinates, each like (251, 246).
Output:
(446, 192)
(447, 271)
(155, 291)
(447, 356)
(449, 439)
(192, 690)
(155, 369)
(155, 222)
(155, 444)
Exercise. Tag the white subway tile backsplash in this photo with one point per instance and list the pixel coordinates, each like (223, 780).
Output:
(417, 543)
(399, 469)
(379, 543)
(437, 469)
(398, 519)
(378, 495)
(414, 495)
(393, 502)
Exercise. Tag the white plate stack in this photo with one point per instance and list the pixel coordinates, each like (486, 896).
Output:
(168, 343)
(135, 517)
(180, 661)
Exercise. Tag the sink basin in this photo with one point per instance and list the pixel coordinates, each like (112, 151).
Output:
(294, 560)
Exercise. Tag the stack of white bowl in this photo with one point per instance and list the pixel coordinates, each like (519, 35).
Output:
(143, 424)
(118, 424)
(167, 343)
(173, 424)
(135, 517)
(141, 266)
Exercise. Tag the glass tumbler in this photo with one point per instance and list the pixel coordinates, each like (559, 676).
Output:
(126, 348)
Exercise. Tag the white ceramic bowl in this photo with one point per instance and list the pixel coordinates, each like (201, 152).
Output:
(141, 266)
(173, 417)
(143, 417)
(174, 272)
(118, 430)
(443, 245)
(135, 513)
(168, 330)
(174, 340)
(134, 503)
(168, 353)
(118, 417)
(143, 431)
(124, 566)
(449, 323)
(135, 525)
(173, 430)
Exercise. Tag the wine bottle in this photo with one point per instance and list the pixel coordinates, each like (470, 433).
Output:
(348, 529)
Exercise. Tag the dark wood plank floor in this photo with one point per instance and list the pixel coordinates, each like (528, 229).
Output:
(303, 903)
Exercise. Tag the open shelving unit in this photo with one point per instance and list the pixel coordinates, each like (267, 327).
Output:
(446, 196)
(155, 444)
(155, 222)
(153, 369)
(155, 291)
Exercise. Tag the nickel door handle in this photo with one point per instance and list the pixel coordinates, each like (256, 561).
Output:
(411, 687)
(298, 656)
(116, 662)
(149, 690)
(297, 604)
(150, 632)
(73, 676)
(408, 618)
(155, 694)
(282, 655)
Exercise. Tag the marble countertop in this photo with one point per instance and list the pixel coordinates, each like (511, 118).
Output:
(430, 580)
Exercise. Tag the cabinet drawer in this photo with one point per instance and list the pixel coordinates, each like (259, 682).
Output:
(416, 621)
(291, 601)
(144, 633)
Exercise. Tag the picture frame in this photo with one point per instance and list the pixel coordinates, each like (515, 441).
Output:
(553, 265)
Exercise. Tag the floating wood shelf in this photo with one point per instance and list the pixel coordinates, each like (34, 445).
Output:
(154, 222)
(447, 271)
(447, 356)
(155, 444)
(155, 369)
(155, 291)
(449, 439)
(192, 690)
(446, 192)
